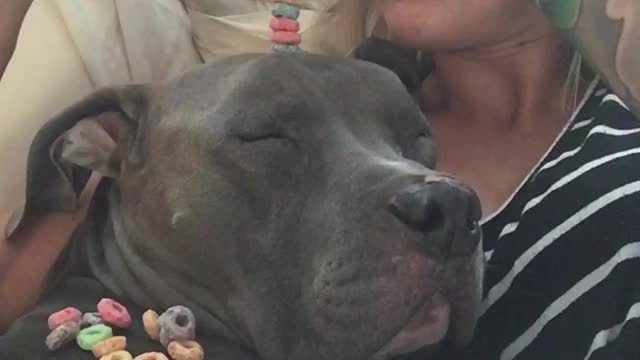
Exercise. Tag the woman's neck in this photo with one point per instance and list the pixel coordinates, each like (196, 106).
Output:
(503, 86)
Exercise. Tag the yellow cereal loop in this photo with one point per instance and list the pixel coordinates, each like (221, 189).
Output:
(150, 322)
(118, 355)
(185, 350)
(108, 346)
(151, 356)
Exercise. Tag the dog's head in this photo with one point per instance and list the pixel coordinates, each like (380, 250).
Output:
(292, 196)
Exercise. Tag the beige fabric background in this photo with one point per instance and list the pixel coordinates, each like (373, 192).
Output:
(68, 48)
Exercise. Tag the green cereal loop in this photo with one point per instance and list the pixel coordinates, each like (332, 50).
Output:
(285, 11)
(563, 14)
(90, 336)
(286, 49)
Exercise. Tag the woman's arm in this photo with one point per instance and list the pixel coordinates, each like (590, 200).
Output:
(25, 260)
(27, 257)
(12, 13)
(607, 33)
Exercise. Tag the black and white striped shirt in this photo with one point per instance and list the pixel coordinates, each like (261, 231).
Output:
(563, 276)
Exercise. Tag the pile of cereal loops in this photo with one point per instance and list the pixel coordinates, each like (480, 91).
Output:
(175, 329)
(285, 28)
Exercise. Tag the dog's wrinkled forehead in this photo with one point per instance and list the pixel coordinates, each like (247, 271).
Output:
(280, 88)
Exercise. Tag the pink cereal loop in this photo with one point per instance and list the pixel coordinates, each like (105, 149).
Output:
(285, 38)
(284, 24)
(69, 314)
(114, 313)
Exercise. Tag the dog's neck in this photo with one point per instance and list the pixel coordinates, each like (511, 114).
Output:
(112, 260)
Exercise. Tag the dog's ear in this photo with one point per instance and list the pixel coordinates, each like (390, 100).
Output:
(95, 134)
(407, 64)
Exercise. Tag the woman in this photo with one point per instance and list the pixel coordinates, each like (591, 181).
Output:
(557, 175)
(552, 153)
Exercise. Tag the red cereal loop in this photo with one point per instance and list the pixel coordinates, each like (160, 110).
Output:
(114, 313)
(285, 37)
(66, 315)
(284, 24)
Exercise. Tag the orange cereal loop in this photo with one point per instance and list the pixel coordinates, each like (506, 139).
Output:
(150, 322)
(185, 350)
(109, 346)
(151, 356)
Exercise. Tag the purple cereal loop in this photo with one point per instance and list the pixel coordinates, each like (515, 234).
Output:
(177, 323)
(62, 335)
(90, 319)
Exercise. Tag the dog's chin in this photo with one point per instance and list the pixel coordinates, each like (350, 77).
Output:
(428, 326)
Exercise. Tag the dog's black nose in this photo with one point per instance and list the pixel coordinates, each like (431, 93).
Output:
(445, 211)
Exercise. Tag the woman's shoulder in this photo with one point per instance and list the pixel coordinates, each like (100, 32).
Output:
(603, 107)
(604, 133)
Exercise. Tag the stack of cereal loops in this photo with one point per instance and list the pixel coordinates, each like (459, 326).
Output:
(285, 27)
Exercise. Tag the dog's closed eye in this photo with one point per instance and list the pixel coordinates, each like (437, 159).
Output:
(252, 138)
(421, 149)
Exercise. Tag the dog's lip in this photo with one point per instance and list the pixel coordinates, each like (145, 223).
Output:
(427, 326)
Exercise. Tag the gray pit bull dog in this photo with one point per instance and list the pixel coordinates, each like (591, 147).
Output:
(288, 200)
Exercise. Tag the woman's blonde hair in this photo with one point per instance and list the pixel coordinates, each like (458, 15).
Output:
(573, 82)
(579, 77)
